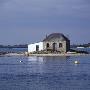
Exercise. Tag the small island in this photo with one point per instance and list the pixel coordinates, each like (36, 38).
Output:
(55, 44)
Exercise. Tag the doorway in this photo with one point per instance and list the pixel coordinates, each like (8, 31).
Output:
(54, 47)
(37, 47)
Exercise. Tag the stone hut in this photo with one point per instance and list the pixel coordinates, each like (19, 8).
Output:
(56, 42)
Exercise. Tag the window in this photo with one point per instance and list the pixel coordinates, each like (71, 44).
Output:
(47, 45)
(60, 45)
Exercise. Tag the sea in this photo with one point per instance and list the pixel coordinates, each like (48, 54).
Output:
(44, 73)
(14, 50)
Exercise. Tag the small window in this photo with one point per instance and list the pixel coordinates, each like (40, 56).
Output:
(47, 45)
(60, 45)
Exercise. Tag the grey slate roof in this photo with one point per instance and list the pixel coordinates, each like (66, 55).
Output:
(56, 35)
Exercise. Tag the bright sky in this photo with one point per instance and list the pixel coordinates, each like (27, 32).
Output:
(27, 21)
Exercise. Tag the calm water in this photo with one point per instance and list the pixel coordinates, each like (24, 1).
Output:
(82, 49)
(16, 50)
(44, 73)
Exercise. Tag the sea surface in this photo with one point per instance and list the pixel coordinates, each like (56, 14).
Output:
(44, 73)
(82, 49)
(15, 50)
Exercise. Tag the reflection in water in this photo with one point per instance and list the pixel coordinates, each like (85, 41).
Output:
(46, 64)
(35, 59)
(36, 64)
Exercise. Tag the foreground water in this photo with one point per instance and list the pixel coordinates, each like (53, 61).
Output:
(44, 73)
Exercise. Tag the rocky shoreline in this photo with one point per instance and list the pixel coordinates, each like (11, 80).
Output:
(58, 54)
(42, 55)
(11, 54)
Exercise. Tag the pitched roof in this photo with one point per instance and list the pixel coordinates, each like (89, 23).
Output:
(56, 35)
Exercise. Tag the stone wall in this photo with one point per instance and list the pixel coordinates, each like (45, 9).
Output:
(65, 45)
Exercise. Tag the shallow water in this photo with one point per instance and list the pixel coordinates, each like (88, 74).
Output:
(44, 73)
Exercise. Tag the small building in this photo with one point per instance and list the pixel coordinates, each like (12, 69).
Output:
(35, 47)
(55, 42)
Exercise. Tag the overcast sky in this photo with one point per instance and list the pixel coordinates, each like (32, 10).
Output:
(27, 21)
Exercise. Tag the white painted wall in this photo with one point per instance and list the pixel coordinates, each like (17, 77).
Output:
(32, 47)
